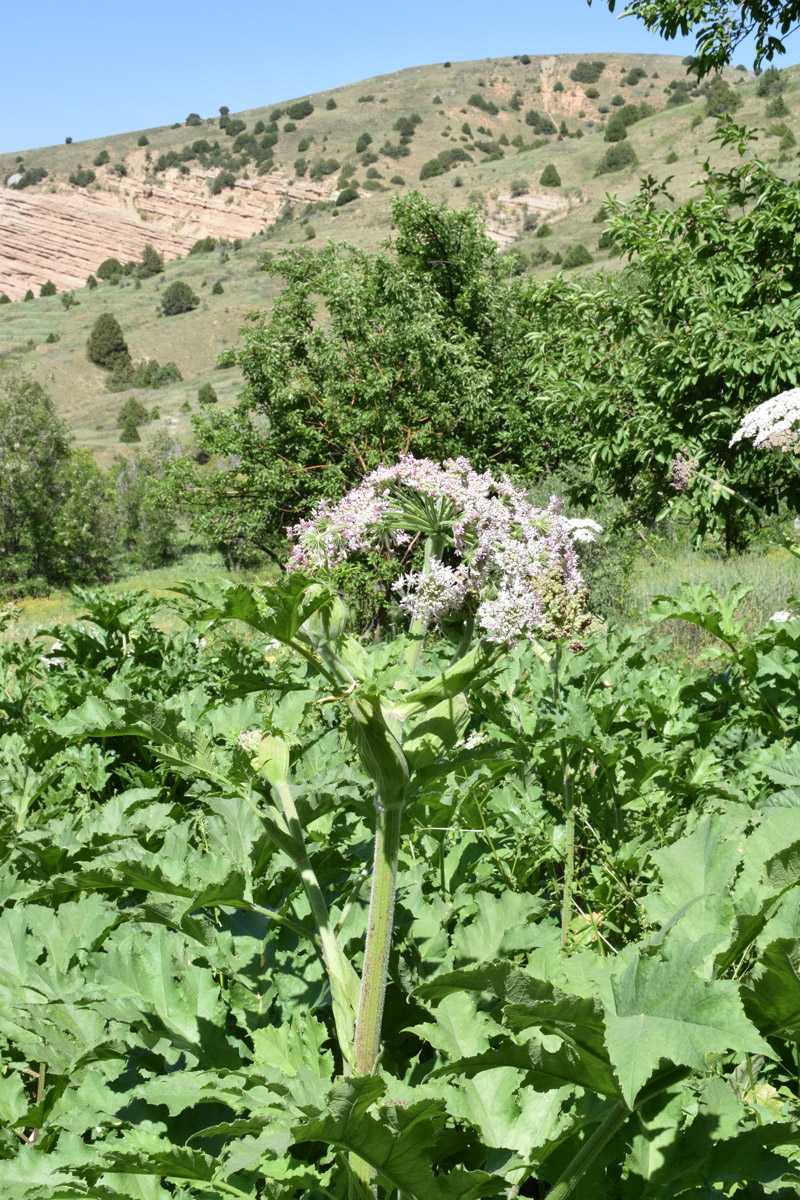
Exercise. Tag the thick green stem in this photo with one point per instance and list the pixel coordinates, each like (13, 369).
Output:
(569, 810)
(376, 961)
(343, 979)
(379, 939)
(570, 1178)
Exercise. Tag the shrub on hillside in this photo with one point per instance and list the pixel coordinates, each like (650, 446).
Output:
(5, 298)
(152, 263)
(539, 122)
(634, 75)
(331, 104)
(346, 196)
(143, 140)
(217, 289)
(206, 394)
(616, 130)
(225, 179)
(363, 142)
(323, 167)
(775, 108)
(587, 72)
(110, 268)
(617, 156)
(771, 83)
(476, 100)
(106, 344)
(194, 119)
(591, 93)
(48, 288)
(303, 108)
(577, 256)
(29, 295)
(721, 98)
(102, 158)
(204, 245)
(550, 176)
(30, 177)
(178, 298)
(82, 177)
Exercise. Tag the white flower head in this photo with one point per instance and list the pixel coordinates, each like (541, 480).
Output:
(513, 565)
(772, 423)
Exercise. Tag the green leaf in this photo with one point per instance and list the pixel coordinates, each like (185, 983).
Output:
(395, 1141)
(696, 873)
(662, 1011)
(771, 992)
(570, 1047)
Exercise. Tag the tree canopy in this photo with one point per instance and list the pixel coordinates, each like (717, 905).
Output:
(719, 26)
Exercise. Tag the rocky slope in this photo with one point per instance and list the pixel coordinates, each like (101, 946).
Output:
(64, 234)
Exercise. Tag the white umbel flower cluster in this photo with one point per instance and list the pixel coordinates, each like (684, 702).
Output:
(772, 424)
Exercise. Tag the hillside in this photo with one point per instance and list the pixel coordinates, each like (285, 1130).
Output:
(327, 166)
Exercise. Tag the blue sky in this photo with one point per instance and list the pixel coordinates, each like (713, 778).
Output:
(93, 69)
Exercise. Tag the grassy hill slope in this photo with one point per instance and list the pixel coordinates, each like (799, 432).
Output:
(477, 113)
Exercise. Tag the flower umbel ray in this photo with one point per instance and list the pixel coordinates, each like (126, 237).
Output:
(511, 564)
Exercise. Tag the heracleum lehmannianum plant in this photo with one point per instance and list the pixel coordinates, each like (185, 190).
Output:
(496, 570)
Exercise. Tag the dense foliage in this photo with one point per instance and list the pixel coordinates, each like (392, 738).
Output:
(367, 356)
(432, 346)
(719, 26)
(168, 1026)
(57, 526)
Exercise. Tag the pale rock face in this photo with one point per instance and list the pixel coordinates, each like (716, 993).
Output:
(64, 233)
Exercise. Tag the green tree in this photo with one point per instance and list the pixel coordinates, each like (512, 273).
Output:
(91, 283)
(152, 262)
(550, 176)
(56, 516)
(102, 158)
(617, 156)
(29, 295)
(616, 130)
(48, 288)
(719, 26)
(109, 268)
(432, 334)
(721, 273)
(143, 140)
(131, 415)
(106, 344)
(206, 394)
(149, 521)
(178, 298)
(5, 298)
(577, 256)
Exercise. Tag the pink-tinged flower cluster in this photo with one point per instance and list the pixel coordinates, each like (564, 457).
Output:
(772, 424)
(682, 471)
(513, 565)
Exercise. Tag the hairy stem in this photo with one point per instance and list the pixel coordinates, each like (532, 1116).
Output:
(376, 957)
(569, 810)
(569, 1179)
(341, 976)
(379, 939)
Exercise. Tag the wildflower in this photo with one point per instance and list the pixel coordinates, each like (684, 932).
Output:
(514, 566)
(771, 424)
(250, 740)
(682, 470)
(582, 529)
(784, 615)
